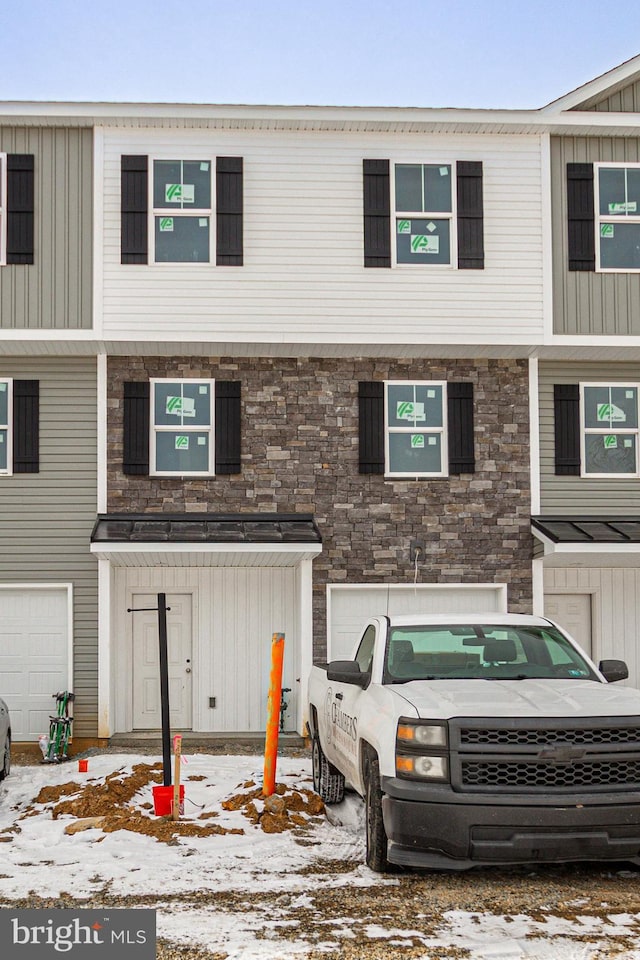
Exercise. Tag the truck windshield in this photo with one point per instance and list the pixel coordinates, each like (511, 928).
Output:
(487, 652)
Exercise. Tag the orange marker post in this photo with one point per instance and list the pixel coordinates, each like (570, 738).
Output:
(177, 750)
(273, 714)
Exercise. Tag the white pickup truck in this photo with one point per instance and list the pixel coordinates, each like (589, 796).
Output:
(479, 740)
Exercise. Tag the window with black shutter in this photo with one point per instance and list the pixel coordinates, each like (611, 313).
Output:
(19, 426)
(181, 428)
(416, 429)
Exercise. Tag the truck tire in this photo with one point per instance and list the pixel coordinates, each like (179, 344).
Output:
(6, 759)
(374, 824)
(328, 782)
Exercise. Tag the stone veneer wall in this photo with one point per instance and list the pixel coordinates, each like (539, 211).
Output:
(300, 454)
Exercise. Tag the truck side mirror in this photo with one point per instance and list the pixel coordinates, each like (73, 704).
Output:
(346, 671)
(613, 670)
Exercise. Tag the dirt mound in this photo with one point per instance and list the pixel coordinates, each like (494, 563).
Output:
(110, 805)
(286, 809)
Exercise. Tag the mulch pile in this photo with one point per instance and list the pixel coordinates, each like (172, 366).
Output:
(109, 805)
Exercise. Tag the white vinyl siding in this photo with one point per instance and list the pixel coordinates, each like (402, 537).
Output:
(303, 278)
(615, 593)
(47, 517)
(231, 653)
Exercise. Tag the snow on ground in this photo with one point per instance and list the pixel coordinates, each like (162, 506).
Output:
(243, 894)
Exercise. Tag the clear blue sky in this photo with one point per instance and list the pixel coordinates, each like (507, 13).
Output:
(458, 53)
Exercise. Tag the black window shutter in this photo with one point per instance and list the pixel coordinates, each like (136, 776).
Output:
(20, 207)
(371, 420)
(580, 216)
(460, 428)
(227, 426)
(377, 213)
(470, 215)
(229, 244)
(26, 426)
(135, 461)
(566, 407)
(134, 203)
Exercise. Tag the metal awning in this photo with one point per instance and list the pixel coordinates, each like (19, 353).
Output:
(589, 541)
(206, 539)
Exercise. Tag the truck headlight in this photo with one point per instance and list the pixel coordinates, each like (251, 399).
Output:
(421, 750)
(434, 767)
(412, 734)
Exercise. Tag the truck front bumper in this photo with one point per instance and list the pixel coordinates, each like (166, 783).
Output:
(432, 826)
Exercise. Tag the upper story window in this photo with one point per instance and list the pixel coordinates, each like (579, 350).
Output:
(609, 433)
(181, 211)
(618, 217)
(181, 191)
(424, 213)
(6, 433)
(416, 429)
(182, 422)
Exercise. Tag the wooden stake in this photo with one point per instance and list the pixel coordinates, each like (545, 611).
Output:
(273, 714)
(177, 751)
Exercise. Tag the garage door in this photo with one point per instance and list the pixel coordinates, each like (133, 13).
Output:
(34, 655)
(351, 607)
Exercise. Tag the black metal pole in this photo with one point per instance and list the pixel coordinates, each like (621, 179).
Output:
(164, 689)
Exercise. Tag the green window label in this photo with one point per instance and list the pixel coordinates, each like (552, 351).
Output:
(181, 405)
(423, 244)
(404, 226)
(610, 443)
(610, 413)
(166, 224)
(606, 230)
(408, 410)
(417, 441)
(182, 443)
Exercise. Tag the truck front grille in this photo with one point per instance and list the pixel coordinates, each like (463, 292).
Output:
(547, 755)
(576, 775)
(539, 737)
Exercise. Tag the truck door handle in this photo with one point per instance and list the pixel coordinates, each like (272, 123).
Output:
(339, 696)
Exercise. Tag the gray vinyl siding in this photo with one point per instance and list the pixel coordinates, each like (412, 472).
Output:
(625, 100)
(46, 518)
(584, 496)
(586, 303)
(54, 292)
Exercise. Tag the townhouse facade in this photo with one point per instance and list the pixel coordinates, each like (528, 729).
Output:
(301, 366)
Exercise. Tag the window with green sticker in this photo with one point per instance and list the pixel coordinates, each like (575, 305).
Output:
(618, 216)
(182, 418)
(424, 213)
(415, 428)
(181, 192)
(609, 420)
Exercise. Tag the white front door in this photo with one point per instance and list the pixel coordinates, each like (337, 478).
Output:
(573, 612)
(146, 661)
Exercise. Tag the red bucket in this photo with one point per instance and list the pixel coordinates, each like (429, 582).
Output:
(163, 801)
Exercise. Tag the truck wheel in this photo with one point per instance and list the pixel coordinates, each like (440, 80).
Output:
(328, 782)
(376, 836)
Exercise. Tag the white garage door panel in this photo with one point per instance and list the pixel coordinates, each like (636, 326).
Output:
(34, 655)
(351, 607)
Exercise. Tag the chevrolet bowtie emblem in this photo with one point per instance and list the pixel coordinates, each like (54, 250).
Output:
(562, 753)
